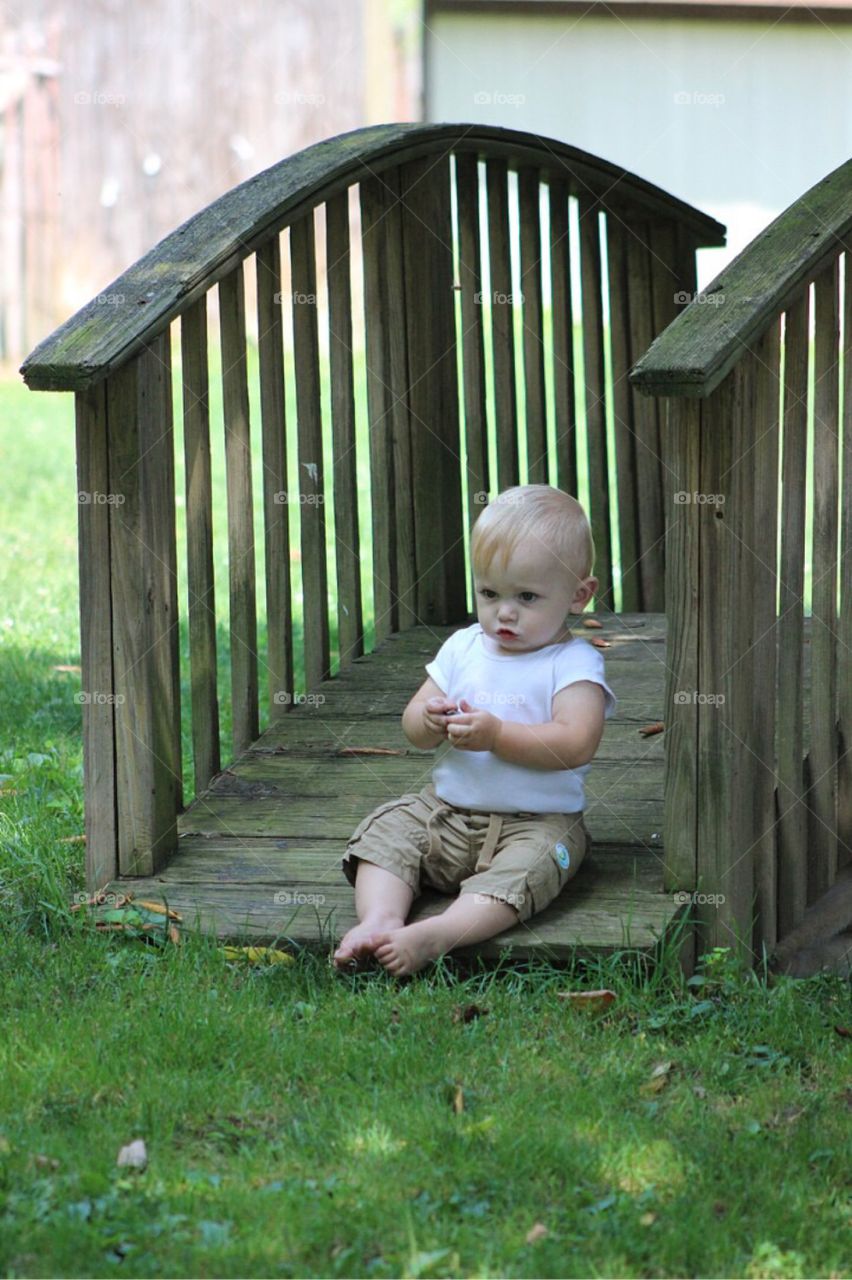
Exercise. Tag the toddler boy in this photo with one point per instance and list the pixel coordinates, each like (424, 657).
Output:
(522, 703)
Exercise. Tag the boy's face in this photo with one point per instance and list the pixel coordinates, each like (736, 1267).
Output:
(523, 606)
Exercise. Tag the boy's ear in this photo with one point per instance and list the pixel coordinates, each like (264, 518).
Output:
(583, 595)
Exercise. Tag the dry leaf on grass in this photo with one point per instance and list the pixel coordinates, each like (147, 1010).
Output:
(537, 1232)
(592, 1001)
(258, 955)
(658, 1079)
(133, 1156)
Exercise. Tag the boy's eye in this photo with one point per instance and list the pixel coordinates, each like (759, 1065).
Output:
(531, 595)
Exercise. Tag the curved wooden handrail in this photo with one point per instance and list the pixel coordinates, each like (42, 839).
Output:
(703, 343)
(141, 302)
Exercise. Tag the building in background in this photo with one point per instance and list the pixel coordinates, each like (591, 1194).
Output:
(120, 121)
(736, 108)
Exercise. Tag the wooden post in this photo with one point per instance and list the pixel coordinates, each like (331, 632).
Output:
(98, 683)
(141, 501)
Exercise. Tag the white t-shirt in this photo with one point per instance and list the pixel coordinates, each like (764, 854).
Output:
(512, 686)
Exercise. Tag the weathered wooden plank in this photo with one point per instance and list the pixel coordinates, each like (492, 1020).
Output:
(680, 710)
(646, 432)
(441, 594)
(844, 622)
(502, 324)
(347, 536)
(376, 199)
(276, 494)
(623, 395)
(535, 406)
(199, 544)
(705, 341)
(664, 289)
(96, 656)
(143, 576)
(210, 245)
(762, 565)
(312, 487)
(596, 397)
(822, 799)
(792, 816)
(724, 849)
(564, 391)
(241, 560)
(469, 284)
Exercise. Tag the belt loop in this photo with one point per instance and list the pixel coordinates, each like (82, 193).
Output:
(432, 836)
(495, 826)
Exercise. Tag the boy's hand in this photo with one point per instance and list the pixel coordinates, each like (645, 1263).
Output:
(473, 730)
(436, 713)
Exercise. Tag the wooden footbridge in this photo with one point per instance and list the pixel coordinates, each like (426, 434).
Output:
(491, 359)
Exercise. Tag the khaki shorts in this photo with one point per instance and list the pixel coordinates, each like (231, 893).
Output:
(525, 859)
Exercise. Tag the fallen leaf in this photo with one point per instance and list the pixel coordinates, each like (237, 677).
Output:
(658, 1079)
(843, 1031)
(647, 1219)
(370, 751)
(133, 1156)
(600, 643)
(467, 1013)
(157, 906)
(593, 622)
(720, 1208)
(537, 1232)
(64, 667)
(657, 727)
(45, 1162)
(258, 955)
(73, 840)
(458, 1100)
(593, 1001)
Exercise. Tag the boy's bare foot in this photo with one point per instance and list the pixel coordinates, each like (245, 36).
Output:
(356, 947)
(407, 949)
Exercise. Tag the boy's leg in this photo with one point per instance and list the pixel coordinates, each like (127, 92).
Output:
(472, 917)
(382, 902)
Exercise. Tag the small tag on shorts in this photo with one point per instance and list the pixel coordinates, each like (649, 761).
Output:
(562, 855)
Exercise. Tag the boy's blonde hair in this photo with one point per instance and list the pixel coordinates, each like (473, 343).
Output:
(540, 512)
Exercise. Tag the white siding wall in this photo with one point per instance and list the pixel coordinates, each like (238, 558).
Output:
(739, 118)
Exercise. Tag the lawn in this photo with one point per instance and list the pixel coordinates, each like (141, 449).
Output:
(465, 1122)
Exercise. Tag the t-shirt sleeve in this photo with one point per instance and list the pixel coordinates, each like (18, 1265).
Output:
(441, 668)
(582, 661)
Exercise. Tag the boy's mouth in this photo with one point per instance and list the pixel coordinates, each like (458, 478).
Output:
(508, 634)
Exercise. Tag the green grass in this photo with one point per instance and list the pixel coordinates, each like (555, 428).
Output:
(301, 1123)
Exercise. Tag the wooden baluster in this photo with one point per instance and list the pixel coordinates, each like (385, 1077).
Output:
(502, 324)
(375, 196)
(844, 627)
(822, 801)
(564, 404)
(276, 498)
(646, 483)
(199, 544)
(792, 815)
(625, 458)
(595, 396)
(350, 621)
(143, 565)
(472, 340)
(433, 390)
(532, 309)
(96, 646)
(311, 468)
(241, 559)
(760, 562)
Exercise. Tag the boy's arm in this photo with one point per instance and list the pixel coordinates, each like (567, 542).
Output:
(568, 741)
(412, 717)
